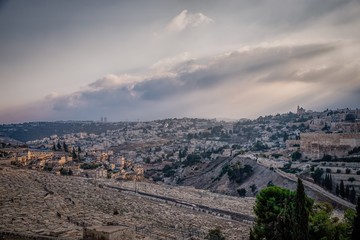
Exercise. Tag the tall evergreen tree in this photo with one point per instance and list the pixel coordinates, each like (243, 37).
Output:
(301, 214)
(58, 146)
(330, 183)
(74, 156)
(347, 192)
(356, 224)
(337, 191)
(352, 196)
(342, 189)
(284, 221)
(65, 146)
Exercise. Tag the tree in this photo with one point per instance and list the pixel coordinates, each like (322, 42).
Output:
(284, 220)
(356, 223)
(270, 202)
(342, 189)
(74, 156)
(65, 146)
(321, 226)
(351, 179)
(215, 234)
(54, 147)
(317, 175)
(295, 155)
(337, 191)
(347, 191)
(301, 214)
(253, 188)
(242, 192)
(58, 146)
(352, 196)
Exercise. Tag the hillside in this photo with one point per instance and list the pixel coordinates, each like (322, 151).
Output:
(207, 176)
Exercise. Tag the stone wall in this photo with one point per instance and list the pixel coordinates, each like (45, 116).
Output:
(316, 145)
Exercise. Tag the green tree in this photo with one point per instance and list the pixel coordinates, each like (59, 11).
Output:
(215, 234)
(284, 220)
(301, 214)
(356, 223)
(317, 175)
(270, 202)
(295, 155)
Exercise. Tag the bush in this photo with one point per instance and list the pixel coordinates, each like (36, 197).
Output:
(191, 160)
(351, 179)
(215, 234)
(296, 155)
(242, 192)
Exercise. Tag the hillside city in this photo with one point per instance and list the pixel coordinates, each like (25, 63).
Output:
(144, 175)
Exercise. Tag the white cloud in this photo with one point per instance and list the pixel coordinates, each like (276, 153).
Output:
(186, 19)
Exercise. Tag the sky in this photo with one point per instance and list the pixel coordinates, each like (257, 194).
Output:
(154, 59)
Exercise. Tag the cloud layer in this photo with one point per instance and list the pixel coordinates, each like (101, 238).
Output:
(127, 61)
(246, 82)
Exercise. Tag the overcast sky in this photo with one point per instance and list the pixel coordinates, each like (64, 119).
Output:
(154, 59)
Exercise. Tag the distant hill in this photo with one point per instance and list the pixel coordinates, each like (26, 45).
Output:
(37, 130)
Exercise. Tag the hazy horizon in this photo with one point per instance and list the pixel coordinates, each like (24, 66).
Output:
(158, 59)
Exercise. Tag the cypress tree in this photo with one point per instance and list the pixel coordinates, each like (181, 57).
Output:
(352, 196)
(356, 224)
(284, 220)
(58, 146)
(65, 147)
(337, 191)
(301, 215)
(74, 156)
(347, 192)
(342, 189)
(331, 183)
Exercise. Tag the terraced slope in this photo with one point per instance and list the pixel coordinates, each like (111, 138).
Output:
(38, 203)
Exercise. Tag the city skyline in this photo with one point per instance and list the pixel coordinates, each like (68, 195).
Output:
(81, 60)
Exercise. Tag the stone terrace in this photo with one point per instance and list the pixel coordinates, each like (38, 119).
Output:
(39, 203)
